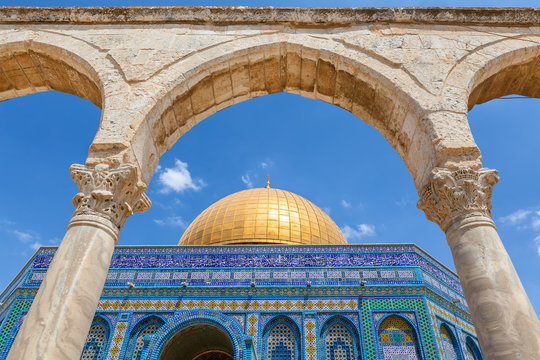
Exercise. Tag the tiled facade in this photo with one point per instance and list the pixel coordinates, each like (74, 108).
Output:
(274, 302)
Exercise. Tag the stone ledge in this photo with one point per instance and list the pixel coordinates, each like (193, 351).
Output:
(301, 17)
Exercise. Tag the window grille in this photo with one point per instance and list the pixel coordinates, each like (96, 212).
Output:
(95, 343)
(281, 343)
(339, 343)
(139, 343)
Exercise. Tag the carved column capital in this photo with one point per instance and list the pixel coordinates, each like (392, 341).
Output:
(453, 195)
(110, 193)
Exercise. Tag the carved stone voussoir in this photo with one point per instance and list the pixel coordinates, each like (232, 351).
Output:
(112, 193)
(457, 194)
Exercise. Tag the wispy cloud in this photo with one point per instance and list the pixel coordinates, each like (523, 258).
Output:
(359, 232)
(246, 179)
(174, 221)
(178, 179)
(345, 204)
(517, 217)
(525, 219)
(267, 163)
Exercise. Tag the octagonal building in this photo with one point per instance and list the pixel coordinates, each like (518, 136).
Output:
(265, 274)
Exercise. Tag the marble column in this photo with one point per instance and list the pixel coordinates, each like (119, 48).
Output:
(60, 317)
(459, 201)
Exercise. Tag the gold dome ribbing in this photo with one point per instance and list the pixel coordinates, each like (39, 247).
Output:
(262, 216)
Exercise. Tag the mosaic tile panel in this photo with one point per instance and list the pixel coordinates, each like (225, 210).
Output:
(435, 312)
(450, 347)
(18, 309)
(310, 336)
(139, 342)
(252, 324)
(117, 340)
(398, 340)
(370, 306)
(227, 304)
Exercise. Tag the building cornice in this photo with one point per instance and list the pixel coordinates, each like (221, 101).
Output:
(298, 17)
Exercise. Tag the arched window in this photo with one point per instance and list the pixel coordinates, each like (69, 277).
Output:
(146, 328)
(96, 340)
(281, 343)
(339, 343)
(472, 349)
(398, 340)
(451, 350)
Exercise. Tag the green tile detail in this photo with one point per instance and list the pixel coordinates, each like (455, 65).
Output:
(398, 304)
(11, 320)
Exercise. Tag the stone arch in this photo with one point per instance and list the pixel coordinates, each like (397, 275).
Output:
(279, 321)
(30, 66)
(406, 335)
(449, 343)
(135, 348)
(503, 67)
(98, 339)
(193, 318)
(284, 66)
(349, 325)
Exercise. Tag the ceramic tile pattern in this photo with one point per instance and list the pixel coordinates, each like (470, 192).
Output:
(248, 287)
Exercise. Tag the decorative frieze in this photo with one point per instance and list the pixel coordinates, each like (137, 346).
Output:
(457, 194)
(112, 193)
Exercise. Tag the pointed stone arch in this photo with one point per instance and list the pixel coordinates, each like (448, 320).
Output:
(309, 70)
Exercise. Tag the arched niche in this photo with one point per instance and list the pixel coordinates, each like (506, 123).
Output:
(339, 339)
(396, 335)
(97, 340)
(449, 343)
(309, 71)
(198, 335)
(143, 329)
(281, 339)
(472, 349)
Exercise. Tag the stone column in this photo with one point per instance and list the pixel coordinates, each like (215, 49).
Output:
(459, 201)
(58, 322)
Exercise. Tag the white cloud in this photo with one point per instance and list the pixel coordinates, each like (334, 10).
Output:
(174, 221)
(345, 204)
(246, 179)
(178, 179)
(516, 217)
(536, 221)
(35, 246)
(267, 163)
(361, 231)
(537, 243)
(23, 236)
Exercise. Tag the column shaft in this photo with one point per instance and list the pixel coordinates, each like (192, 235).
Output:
(505, 321)
(57, 324)
(61, 314)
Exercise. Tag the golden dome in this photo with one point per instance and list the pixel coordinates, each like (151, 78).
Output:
(263, 216)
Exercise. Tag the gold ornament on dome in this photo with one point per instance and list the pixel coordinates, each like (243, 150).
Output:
(263, 216)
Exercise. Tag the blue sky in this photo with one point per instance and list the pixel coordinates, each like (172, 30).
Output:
(351, 172)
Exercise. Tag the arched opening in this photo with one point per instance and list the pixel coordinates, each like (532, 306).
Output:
(281, 340)
(29, 69)
(97, 340)
(141, 334)
(339, 340)
(472, 350)
(398, 337)
(284, 67)
(449, 344)
(199, 342)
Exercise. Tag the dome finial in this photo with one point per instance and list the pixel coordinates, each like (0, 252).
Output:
(268, 182)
